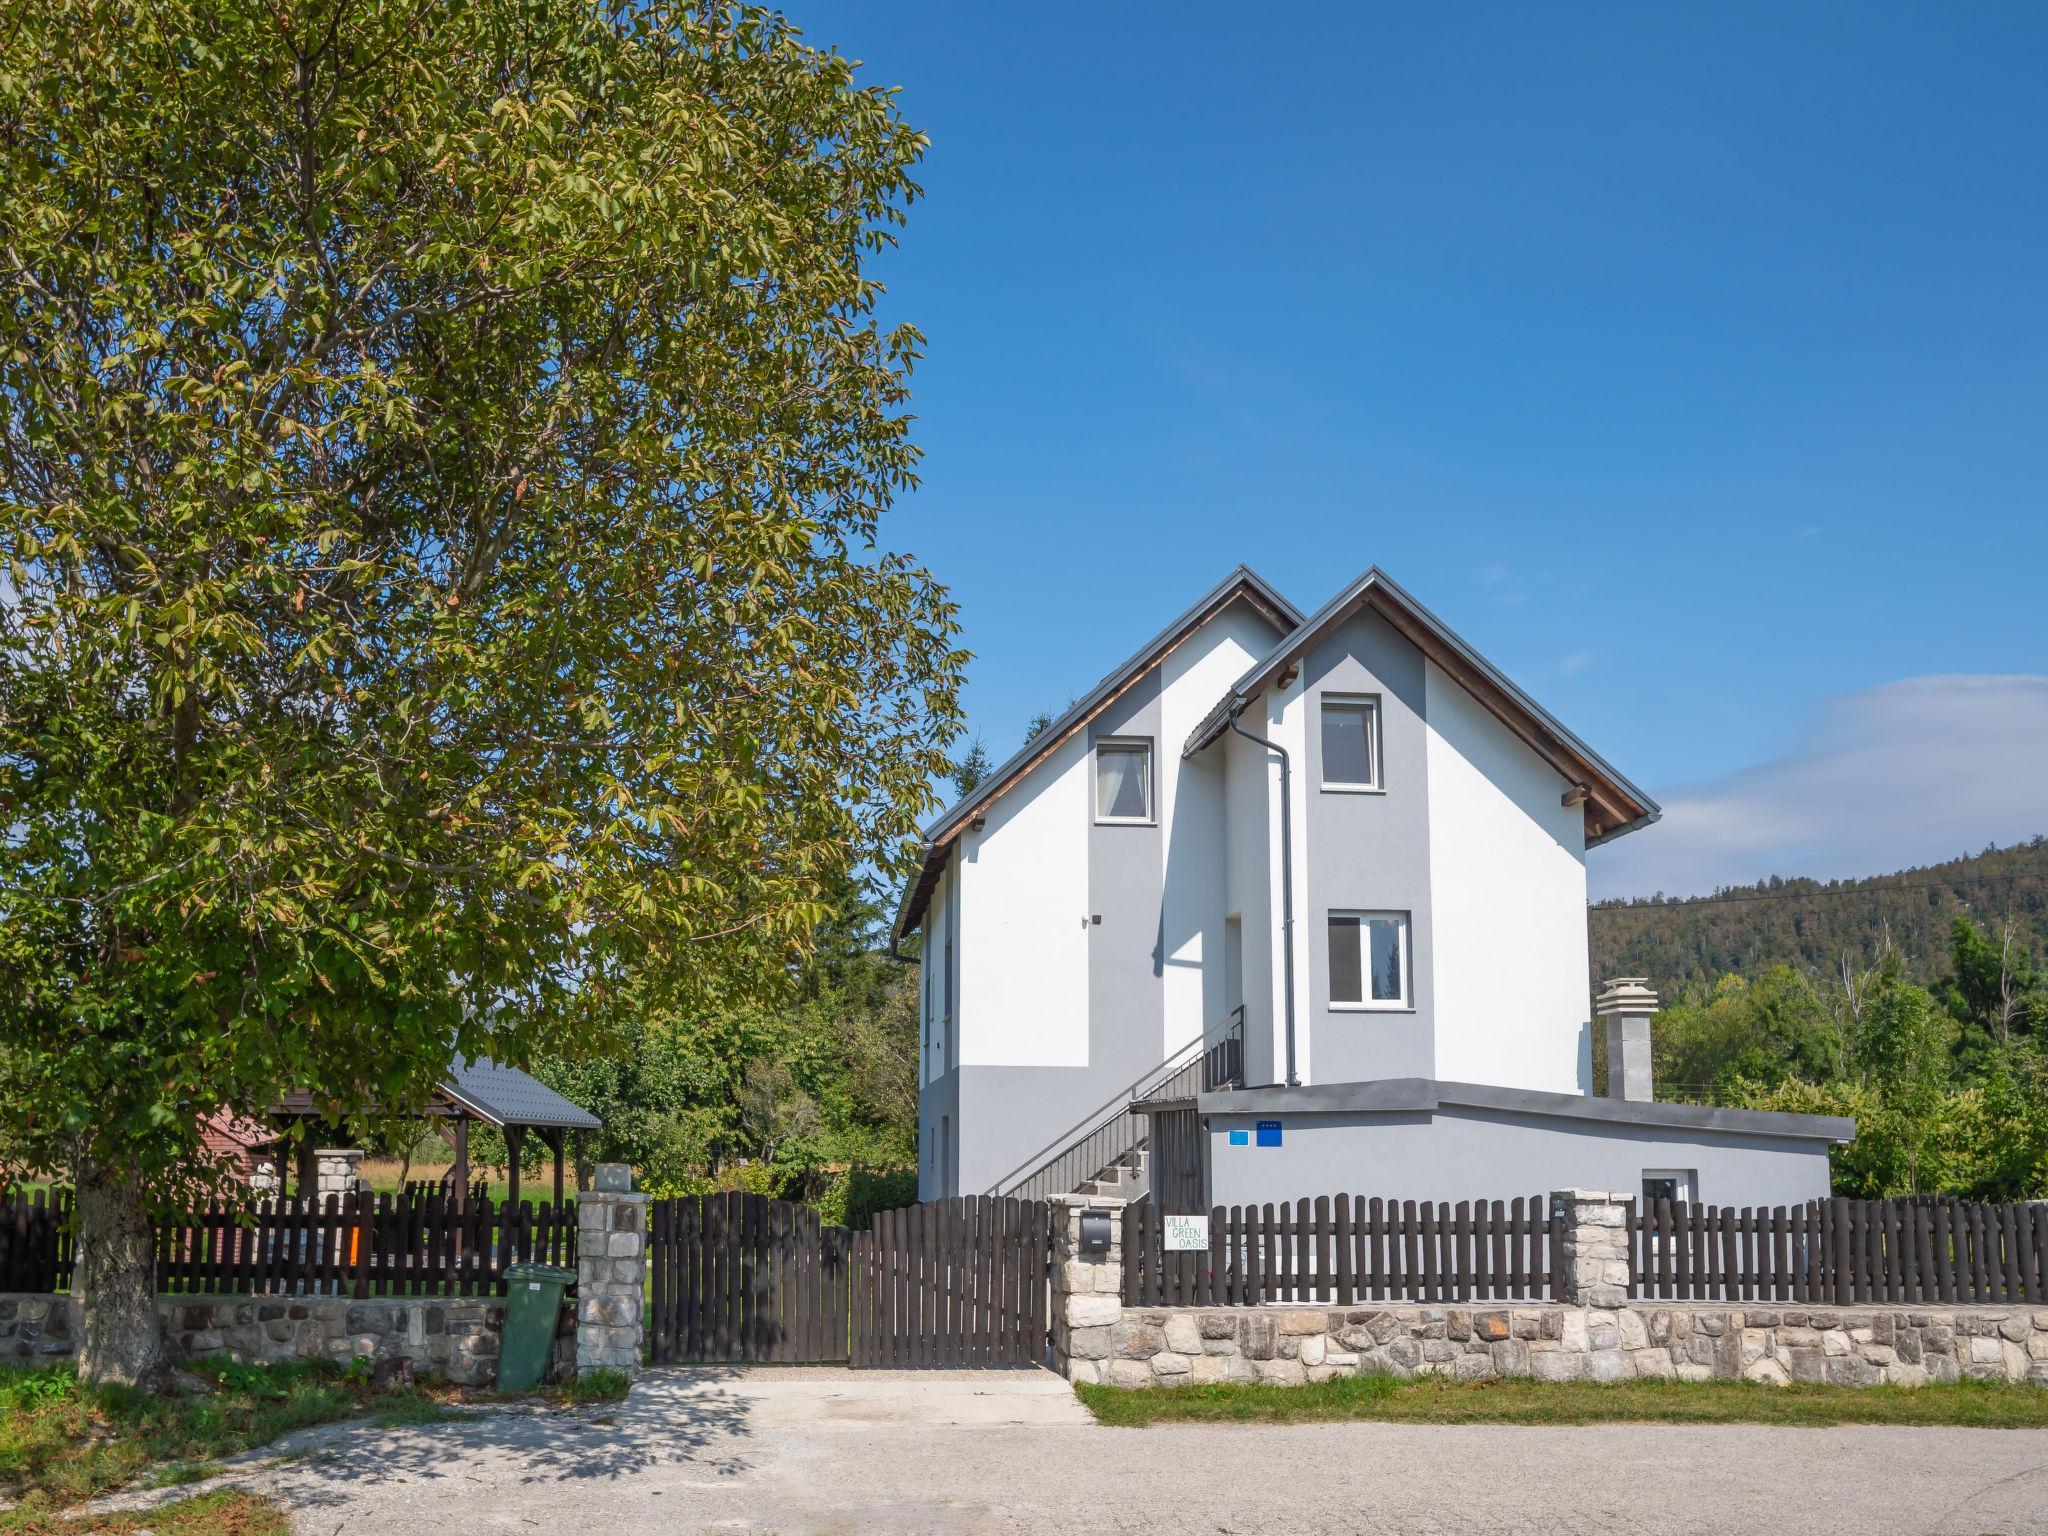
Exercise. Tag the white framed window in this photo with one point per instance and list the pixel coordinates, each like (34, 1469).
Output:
(1123, 780)
(1673, 1184)
(1350, 726)
(1369, 960)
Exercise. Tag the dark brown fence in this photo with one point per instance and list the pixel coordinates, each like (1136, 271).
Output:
(345, 1245)
(953, 1282)
(35, 1241)
(743, 1277)
(419, 1189)
(1348, 1249)
(1843, 1252)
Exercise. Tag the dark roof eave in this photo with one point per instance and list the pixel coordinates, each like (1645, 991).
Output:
(1357, 592)
(938, 837)
(1418, 1094)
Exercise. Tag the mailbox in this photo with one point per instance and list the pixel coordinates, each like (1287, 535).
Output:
(1094, 1230)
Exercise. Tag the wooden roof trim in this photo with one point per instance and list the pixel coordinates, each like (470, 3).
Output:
(1612, 809)
(939, 849)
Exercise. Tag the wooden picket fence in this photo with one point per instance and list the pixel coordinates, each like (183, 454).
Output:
(344, 1245)
(1348, 1249)
(960, 1281)
(36, 1246)
(1843, 1252)
(743, 1277)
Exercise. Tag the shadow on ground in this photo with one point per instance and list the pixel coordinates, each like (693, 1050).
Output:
(667, 1418)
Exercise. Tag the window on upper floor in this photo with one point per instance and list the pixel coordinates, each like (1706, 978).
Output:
(1351, 741)
(1123, 781)
(1369, 960)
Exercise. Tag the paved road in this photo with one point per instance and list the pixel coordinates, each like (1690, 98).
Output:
(791, 1451)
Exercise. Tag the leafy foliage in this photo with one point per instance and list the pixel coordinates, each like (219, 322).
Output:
(809, 1096)
(442, 451)
(1948, 1085)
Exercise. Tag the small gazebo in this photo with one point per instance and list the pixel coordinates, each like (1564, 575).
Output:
(478, 1090)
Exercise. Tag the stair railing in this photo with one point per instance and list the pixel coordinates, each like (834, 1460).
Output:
(1211, 1062)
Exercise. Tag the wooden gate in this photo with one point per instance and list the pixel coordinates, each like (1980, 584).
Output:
(953, 1282)
(742, 1277)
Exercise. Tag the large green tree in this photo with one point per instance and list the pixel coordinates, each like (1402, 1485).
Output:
(441, 449)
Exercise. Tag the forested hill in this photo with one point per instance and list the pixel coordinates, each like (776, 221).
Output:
(1810, 924)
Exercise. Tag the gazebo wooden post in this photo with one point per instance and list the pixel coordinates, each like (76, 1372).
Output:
(309, 1168)
(282, 1157)
(555, 1138)
(515, 1139)
(462, 1162)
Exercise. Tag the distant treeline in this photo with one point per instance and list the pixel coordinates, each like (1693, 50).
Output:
(1814, 926)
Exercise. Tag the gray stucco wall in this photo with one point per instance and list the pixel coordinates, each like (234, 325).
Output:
(1012, 1113)
(1126, 877)
(1461, 1153)
(1369, 852)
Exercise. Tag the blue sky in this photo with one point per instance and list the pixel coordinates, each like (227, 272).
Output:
(1693, 364)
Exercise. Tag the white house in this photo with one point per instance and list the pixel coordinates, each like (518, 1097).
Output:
(1314, 888)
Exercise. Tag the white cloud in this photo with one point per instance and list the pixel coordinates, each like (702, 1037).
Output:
(1577, 661)
(1904, 774)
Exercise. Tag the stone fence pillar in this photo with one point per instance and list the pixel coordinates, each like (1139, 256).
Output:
(1087, 1289)
(1596, 1239)
(611, 1256)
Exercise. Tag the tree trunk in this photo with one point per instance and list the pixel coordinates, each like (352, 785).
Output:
(115, 1283)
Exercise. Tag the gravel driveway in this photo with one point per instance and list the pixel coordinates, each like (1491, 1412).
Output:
(781, 1450)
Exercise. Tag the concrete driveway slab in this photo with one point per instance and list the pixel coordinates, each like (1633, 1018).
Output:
(1003, 1452)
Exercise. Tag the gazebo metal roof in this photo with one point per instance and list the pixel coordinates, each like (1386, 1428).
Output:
(505, 1096)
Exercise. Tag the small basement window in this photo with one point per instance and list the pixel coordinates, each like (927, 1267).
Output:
(1123, 781)
(1369, 960)
(1673, 1184)
(1351, 742)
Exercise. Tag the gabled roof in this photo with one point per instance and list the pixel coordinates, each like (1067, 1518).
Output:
(1613, 805)
(1243, 582)
(496, 1095)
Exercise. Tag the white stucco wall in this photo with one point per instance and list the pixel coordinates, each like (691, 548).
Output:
(1507, 866)
(1023, 945)
(1192, 677)
(1248, 887)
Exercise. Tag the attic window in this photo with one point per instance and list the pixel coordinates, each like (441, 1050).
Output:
(1123, 781)
(1351, 742)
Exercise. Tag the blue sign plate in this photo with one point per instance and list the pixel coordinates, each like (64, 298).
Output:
(1269, 1133)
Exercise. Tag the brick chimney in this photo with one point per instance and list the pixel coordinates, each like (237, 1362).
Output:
(1626, 1003)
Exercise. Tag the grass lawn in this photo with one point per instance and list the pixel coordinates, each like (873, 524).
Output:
(213, 1514)
(1434, 1400)
(61, 1443)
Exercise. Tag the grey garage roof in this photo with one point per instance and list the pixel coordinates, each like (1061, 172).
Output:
(1394, 1095)
(503, 1096)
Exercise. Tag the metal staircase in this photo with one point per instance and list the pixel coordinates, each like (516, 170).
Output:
(1105, 1152)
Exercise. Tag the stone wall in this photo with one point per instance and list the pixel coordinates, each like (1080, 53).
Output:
(334, 1173)
(1849, 1346)
(611, 1271)
(454, 1337)
(1594, 1333)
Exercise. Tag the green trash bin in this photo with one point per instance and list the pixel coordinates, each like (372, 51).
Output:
(533, 1302)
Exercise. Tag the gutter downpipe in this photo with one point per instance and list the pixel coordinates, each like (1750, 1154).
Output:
(1286, 876)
